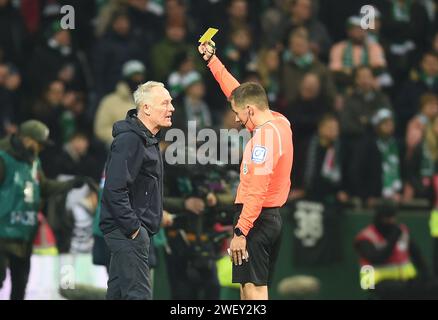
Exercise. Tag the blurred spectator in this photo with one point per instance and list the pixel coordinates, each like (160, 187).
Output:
(78, 107)
(73, 117)
(12, 33)
(36, 14)
(147, 25)
(417, 125)
(375, 168)
(39, 14)
(194, 195)
(82, 233)
(105, 17)
(61, 110)
(298, 60)
(424, 80)
(268, 67)
(238, 53)
(72, 159)
(176, 12)
(55, 60)
(237, 15)
(361, 105)
(334, 13)
(7, 115)
(235, 146)
(183, 66)
(384, 77)
(434, 43)
(79, 156)
(49, 108)
(406, 26)
(192, 105)
(355, 51)
(375, 34)
(207, 13)
(399, 269)
(83, 33)
(10, 82)
(271, 20)
(308, 108)
(48, 12)
(304, 114)
(422, 166)
(252, 76)
(23, 185)
(114, 106)
(168, 48)
(323, 166)
(116, 47)
(301, 14)
(101, 253)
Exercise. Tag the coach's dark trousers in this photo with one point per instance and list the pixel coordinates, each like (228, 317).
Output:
(129, 275)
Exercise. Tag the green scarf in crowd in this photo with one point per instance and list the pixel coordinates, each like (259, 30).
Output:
(428, 80)
(302, 62)
(390, 166)
(347, 58)
(331, 170)
(401, 12)
(427, 166)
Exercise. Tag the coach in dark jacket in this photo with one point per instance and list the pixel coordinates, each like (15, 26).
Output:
(132, 201)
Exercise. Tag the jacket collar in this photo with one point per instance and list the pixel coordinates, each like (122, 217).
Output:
(145, 133)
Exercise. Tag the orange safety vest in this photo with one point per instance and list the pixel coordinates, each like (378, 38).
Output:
(398, 266)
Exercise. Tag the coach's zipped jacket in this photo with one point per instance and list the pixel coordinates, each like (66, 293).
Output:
(133, 190)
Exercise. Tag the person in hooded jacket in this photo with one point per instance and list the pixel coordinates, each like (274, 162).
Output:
(132, 200)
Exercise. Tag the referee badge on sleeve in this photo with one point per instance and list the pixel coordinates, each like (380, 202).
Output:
(258, 154)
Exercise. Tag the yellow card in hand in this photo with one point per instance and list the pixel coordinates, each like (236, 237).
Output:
(208, 35)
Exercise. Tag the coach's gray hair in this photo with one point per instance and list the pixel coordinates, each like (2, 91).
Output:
(143, 94)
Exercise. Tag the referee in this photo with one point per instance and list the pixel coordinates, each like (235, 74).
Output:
(264, 180)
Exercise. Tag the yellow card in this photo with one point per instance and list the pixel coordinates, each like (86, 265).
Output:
(208, 35)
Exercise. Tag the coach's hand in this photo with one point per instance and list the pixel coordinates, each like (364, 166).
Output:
(238, 250)
(207, 50)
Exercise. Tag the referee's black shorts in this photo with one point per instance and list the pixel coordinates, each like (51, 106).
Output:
(263, 244)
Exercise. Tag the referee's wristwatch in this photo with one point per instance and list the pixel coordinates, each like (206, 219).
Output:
(238, 232)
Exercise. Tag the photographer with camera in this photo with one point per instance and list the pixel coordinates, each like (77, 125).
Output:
(198, 197)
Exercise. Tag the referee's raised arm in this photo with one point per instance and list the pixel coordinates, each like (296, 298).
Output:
(225, 79)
